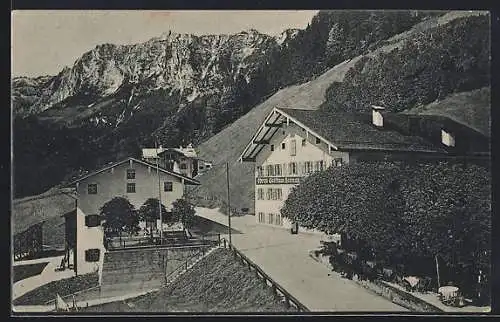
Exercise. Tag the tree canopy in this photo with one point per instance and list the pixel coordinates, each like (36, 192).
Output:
(119, 215)
(183, 212)
(149, 211)
(402, 211)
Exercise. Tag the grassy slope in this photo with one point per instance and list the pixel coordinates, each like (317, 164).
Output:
(48, 207)
(218, 283)
(458, 108)
(227, 145)
(63, 287)
(21, 272)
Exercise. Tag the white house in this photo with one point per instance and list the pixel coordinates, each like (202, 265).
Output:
(137, 180)
(291, 144)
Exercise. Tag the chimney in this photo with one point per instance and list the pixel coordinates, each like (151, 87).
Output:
(377, 118)
(447, 138)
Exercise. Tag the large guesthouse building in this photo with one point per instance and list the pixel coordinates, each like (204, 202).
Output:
(291, 144)
(137, 180)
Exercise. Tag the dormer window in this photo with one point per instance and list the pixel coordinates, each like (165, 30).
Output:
(447, 138)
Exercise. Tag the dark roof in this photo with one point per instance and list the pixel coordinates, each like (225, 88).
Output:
(355, 131)
(188, 180)
(19, 229)
(69, 213)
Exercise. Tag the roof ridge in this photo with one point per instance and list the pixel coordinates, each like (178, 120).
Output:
(114, 164)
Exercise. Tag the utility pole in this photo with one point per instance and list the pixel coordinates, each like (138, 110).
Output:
(228, 202)
(437, 271)
(159, 191)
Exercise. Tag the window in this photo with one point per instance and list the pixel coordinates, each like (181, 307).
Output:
(92, 188)
(304, 142)
(270, 170)
(269, 194)
(293, 147)
(168, 186)
(208, 166)
(270, 219)
(318, 165)
(130, 173)
(284, 169)
(283, 145)
(279, 194)
(92, 220)
(292, 168)
(274, 194)
(278, 220)
(308, 167)
(92, 255)
(183, 166)
(318, 140)
(272, 147)
(131, 187)
(262, 217)
(321, 165)
(260, 171)
(260, 194)
(277, 169)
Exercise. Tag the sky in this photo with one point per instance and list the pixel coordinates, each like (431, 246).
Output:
(44, 42)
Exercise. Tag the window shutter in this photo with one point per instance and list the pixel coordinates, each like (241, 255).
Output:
(92, 220)
(92, 255)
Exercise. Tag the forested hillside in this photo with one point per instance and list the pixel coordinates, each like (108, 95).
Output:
(430, 66)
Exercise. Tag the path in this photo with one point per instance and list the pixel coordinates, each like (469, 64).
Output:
(285, 258)
(49, 274)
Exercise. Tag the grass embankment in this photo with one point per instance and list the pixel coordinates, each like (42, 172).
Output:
(47, 292)
(218, 283)
(21, 272)
(48, 207)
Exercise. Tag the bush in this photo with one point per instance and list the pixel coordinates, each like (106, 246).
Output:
(405, 214)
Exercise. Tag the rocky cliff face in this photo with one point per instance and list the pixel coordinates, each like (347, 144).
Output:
(193, 66)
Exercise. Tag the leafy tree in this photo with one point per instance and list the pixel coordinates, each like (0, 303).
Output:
(119, 215)
(183, 212)
(149, 212)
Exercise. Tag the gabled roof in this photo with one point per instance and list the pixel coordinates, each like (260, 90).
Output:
(344, 131)
(350, 131)
(151, 152)
(187, 152)
(187, 180)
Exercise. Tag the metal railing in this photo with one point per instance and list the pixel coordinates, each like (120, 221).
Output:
(289, 298)
(146, 242)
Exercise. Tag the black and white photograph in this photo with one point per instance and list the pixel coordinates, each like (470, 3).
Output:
(252, 162)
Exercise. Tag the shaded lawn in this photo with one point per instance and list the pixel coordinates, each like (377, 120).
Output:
(206, 226)
(21, 272)
(47, 292)
(219, 283)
